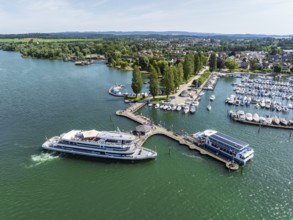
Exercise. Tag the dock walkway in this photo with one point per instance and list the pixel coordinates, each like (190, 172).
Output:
(159, 130)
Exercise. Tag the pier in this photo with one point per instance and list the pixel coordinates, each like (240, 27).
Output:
(160, 130)
(262, 124)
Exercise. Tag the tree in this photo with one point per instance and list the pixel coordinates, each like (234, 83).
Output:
(163, 66)
(144, 62)
(277, 68)
(188, 66)
(136, 84)
(213, 62)
(204, 60)
(291, 69)
(252, 63)
(168, 82)
(231, 65)
(176, 77)
(180, 72)
(154, 82)
(196, 63)
(220, 63)
(201, 59)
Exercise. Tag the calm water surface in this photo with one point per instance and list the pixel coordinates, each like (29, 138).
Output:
(42, 98)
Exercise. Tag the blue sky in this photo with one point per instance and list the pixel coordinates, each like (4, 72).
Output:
(216, 16)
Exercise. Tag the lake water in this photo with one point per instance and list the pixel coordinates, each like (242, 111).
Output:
(43, 98)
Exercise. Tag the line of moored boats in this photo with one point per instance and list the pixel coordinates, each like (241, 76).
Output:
(267, 120)
(266, 103)
(189, 106)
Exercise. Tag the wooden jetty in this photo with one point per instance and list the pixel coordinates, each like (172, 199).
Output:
(159, 130)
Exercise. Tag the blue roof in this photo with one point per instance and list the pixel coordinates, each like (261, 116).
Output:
(232, 142)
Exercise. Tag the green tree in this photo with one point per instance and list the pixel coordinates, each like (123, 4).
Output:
(168, 82)
(154, 82)
(291, 69)
(277, 68)
(188, 66)
(144, 62)
(200, 64)
(136, 84)
(252, 63)
(231, 65)
(180, 72)
(204, 60)
(176, 77)
(196, 63)
(163, 66)
(213, 62)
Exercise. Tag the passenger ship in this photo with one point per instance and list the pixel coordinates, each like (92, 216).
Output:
(224, 145)
(104, 144)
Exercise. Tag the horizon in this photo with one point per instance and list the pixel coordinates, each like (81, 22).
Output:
(259, 17)
(150, 32)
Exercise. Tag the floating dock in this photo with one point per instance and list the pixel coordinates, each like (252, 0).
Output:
(159, 130)
(262, 124)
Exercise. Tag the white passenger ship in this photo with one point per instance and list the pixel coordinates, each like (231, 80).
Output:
(104, 144)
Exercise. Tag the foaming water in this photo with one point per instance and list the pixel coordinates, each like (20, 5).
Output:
(41, 159)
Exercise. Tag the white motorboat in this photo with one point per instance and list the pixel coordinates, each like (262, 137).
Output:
(256, 117)
(192, 109)
(186, 109)
(248, 116)
(209, 107)
(213, 97)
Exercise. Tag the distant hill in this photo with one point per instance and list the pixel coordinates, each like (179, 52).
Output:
(105, 34)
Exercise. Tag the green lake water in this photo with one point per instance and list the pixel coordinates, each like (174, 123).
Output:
(43, 98)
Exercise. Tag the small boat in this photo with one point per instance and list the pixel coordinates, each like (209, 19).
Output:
(285, 109)
(262, 119)
(201, 93)
(192, 109)
(290, 122)
(276, 121)
(186, 109)
(256, 117)
(283, 121)
(209, 107)
(157, 105)
(150, 104)
(268, 121)
(179, 107)
(213, 97)
(174, 107)
(196, 103)
(248, 117)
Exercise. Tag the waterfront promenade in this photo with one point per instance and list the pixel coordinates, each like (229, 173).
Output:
(160, 130)
(178, 99)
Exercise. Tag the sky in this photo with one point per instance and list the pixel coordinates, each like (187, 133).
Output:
(204, 16)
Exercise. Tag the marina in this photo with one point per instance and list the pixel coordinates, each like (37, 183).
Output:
(159, 130)
(35, 182)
